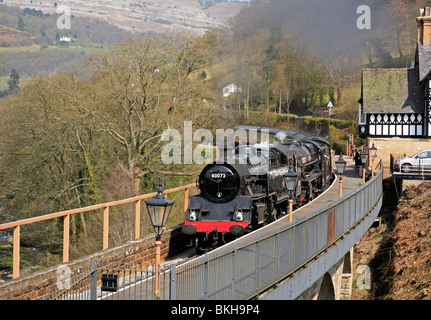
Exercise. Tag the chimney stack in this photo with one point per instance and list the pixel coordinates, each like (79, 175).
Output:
(424, 26)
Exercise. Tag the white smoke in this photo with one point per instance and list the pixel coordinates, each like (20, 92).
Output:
(280, 136)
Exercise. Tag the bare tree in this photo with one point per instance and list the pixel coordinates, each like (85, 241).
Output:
(48, 152)
(150, 84)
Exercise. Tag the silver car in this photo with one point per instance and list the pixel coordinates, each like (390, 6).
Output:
(418, 163)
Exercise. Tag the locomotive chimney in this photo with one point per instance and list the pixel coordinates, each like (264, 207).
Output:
(424, 26)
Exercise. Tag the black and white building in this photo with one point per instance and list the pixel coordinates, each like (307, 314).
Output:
(395, 104)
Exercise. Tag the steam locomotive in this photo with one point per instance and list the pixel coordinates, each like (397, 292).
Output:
(237, 196)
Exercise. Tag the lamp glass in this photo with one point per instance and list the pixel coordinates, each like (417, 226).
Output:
(364, 156)
(341, 165)
(290, 179)
(159, 209)
(158, 215)
(373, 150)
(290, 184)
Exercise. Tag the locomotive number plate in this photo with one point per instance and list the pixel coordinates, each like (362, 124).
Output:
(218, 175)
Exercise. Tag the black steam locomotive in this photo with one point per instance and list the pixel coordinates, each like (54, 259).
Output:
(239, 196)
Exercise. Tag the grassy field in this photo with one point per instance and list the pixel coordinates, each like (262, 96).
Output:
(33, 48)
(72, 47)
(31, 61)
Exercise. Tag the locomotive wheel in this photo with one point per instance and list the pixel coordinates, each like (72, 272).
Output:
(206, 242)
(199, 245)
(274, 214)
(280, 213)
(198, 248)
(271, 212)
(209, 241)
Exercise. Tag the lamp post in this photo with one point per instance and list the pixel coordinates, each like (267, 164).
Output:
(330, 105)
(159, 209)
(341, 166)
(290, 179)
(373, 151)
(348, 144)
(364, 156)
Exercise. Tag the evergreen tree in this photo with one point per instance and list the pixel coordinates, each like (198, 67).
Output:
(21, 24)
(13, 82)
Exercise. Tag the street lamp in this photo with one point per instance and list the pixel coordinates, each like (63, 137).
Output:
(364, 156)
(341, 166)
(290, 178)
(330, 105)
(159, 209)
(373, 151)
(349, 145)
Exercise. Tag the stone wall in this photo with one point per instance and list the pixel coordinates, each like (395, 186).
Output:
(39, 284)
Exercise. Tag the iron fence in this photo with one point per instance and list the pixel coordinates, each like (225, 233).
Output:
(76, 286)
(106, 280)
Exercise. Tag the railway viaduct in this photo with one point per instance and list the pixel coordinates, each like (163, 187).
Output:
(309, 257)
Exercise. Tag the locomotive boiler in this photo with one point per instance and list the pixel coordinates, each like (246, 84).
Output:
(239, 196)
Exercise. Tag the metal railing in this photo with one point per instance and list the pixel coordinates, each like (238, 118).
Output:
(133, 282)
(105, 207)
(250, 265)
(106, 280)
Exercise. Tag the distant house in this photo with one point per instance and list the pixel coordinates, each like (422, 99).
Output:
(67, 39)
(231, 88)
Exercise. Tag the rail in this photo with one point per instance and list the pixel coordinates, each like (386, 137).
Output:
(245, 268)
(16, 225)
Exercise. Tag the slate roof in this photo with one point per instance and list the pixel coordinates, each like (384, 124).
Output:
(392, 90)
(424, 55)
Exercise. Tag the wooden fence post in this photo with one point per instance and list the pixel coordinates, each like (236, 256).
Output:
(137, 219)
(16, 250)
(186, 201)
(105, 227)
(66, 238)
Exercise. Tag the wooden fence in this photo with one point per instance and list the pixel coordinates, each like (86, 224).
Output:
(16, 225)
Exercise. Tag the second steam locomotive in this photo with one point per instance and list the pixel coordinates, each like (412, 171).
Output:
(237, 197)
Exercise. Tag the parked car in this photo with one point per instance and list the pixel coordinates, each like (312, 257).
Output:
(419, 162)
